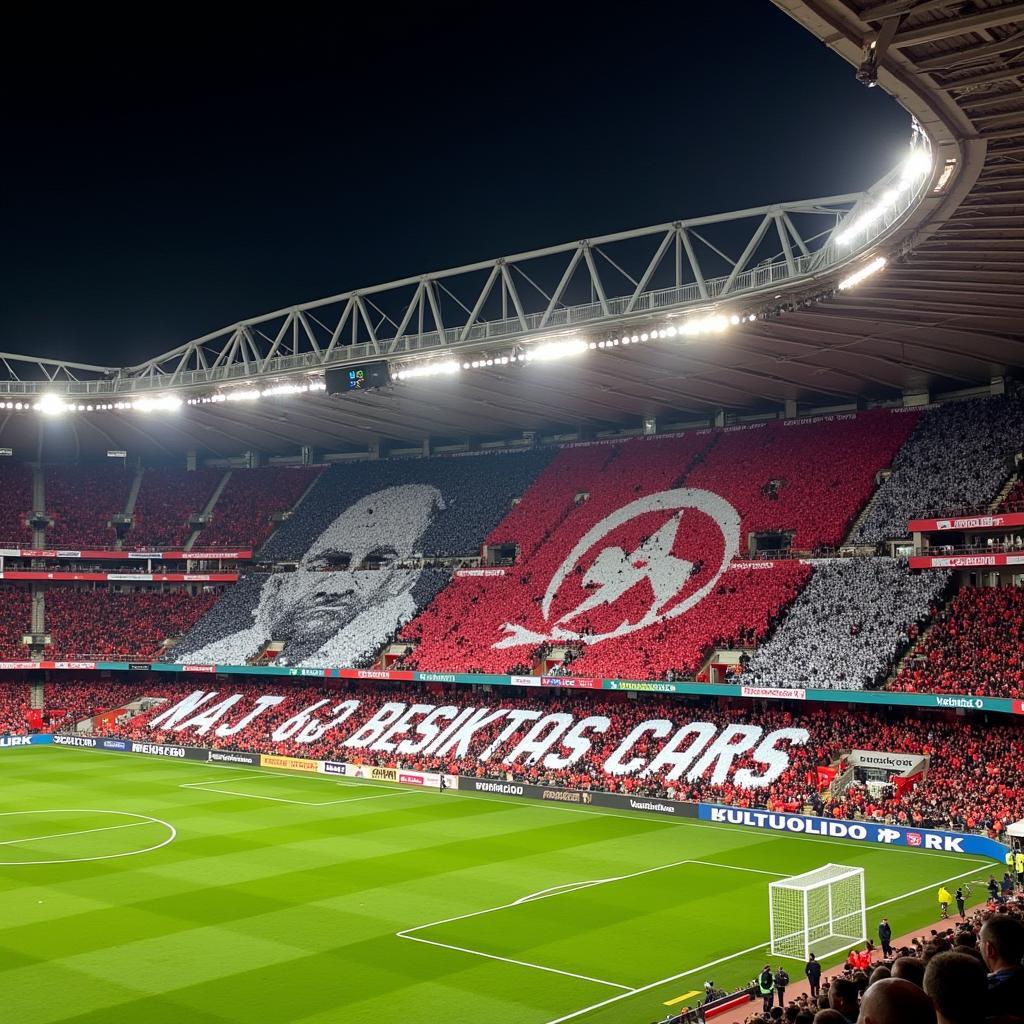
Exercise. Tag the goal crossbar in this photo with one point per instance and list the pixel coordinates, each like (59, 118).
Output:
(821, 911)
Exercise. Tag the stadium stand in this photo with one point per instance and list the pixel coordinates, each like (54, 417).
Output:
(974, 781)
(825, 472)
(956, 460)
(166, 499)
(976, 647)
(806, 480)
(81, 500)
(15, 501)
(15, 621)
(476, 492)
(67, 703)
(849, 626)
(243, 514)
(15, 701)
(323, 619)
(1014, 500)
(101, 623)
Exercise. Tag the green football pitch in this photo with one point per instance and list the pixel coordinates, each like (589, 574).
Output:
(148, 889)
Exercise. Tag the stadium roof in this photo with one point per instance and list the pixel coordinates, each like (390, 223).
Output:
(947, 313)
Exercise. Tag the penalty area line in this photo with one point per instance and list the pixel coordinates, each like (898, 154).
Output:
(626, 990)
(734, 956)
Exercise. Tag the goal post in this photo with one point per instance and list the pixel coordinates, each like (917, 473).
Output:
(821, 912)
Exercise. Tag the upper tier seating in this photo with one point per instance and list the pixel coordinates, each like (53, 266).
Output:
(475, 491)
(976, 647)
(81, 500)
(15, 621)
(975, 777)
(166, 499)
(800, 478)
(956, 460)
(849, 625)
(113, 626)
(15, 501)
(243, 514)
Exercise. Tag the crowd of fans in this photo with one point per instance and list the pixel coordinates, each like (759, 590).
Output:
(107, 625)
(323, 619)
(849, 625)
(957, 459)
(15, 621)
(974, 781)
(805, 480)
(975, 647)
(66, 703)
(1014, 500)
(966, 973)
(465, 620)
(476, 493)
(80, 502)
(243, 516)
(15, 501)
(166, 499)
(15, 702)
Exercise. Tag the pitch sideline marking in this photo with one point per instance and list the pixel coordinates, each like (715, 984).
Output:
(92, 810)
(733, 956)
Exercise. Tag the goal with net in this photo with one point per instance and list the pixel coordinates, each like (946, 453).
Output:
(820, 912)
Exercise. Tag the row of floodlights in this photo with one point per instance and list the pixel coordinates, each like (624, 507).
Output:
(914, 168)
(54, 405)
(700, 326)
(555, 350)
(254, 394)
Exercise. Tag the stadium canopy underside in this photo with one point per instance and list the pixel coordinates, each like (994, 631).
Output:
(946, 315)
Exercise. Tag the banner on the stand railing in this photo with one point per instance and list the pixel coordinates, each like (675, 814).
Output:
(857, 831)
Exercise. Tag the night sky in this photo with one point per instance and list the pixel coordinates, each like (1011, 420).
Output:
(165, 177)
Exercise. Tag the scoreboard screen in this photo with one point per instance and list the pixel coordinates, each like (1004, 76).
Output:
(346, 380)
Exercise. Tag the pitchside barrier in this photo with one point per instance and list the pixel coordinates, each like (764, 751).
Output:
(795, 824)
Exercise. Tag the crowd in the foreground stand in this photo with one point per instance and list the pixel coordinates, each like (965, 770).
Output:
(969, 972)
(975, 780)
(107, 625)
(957, 459)
(976, 647)
(849, 625)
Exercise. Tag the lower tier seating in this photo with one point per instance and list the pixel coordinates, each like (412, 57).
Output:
(648, 747)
